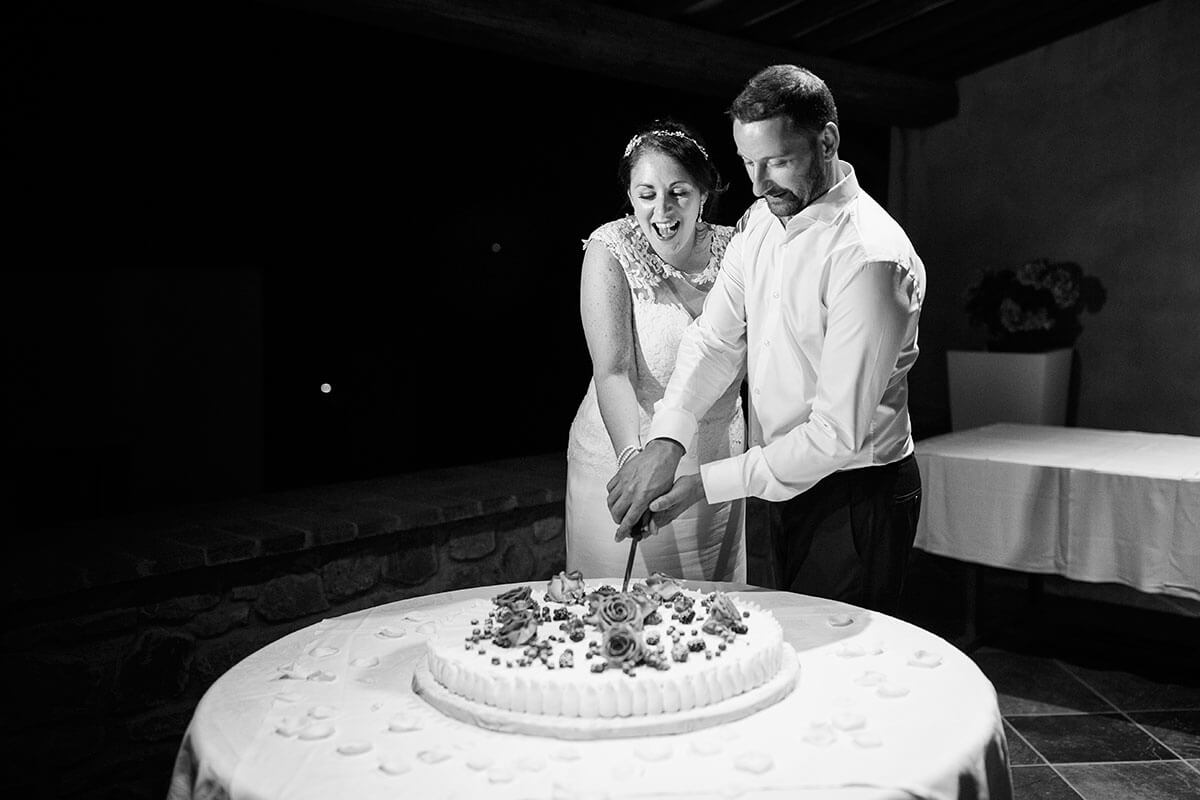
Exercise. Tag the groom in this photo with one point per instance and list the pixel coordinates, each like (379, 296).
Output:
(818, 296)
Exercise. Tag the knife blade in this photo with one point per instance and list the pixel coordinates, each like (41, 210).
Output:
(634, 538)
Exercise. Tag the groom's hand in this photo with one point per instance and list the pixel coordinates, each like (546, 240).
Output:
(644, 478)
(686, 492)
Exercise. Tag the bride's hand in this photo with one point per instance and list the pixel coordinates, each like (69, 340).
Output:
(687, 491)
(644, 477)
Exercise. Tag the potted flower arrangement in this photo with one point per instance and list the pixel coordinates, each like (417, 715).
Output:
(1031, 316)
(1034, 308)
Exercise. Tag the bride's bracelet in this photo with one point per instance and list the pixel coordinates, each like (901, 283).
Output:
(626, 454)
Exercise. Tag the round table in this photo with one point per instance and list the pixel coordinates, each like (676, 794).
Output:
(882, 709)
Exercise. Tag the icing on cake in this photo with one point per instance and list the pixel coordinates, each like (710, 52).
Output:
(567, 651)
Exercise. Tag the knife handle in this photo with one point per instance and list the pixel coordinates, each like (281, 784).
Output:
(643, 525)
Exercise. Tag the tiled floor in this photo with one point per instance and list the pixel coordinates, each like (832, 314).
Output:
(1101, 701)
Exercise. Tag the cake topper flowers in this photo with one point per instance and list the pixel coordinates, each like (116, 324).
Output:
(722, 609)
(623, 645)
(519, 628)
(566, 587)
(607, 610)
(647, 603)
(723, 615)
(663, 586)
(628, 608)
(517, 600)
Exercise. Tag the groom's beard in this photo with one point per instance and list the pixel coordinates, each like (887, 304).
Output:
(784, 205)
(787, 204)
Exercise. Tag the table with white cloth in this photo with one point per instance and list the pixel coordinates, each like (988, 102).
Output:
(1090, 505)
(882, 710)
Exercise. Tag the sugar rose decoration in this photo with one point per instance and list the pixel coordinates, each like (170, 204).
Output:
(623, 645)
(663, 586)
(519, 628)
(722, 609)
(647, 603)
(723, 615)
(567, 587)
(517, 600)
(605, 611)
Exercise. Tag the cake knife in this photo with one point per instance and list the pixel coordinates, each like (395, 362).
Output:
(634, 538)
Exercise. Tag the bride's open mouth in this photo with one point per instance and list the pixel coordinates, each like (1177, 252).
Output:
(665, 230)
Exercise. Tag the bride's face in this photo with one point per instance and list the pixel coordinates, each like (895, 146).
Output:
(666, 203)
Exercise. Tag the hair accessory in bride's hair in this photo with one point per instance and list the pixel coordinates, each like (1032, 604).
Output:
(637, 139)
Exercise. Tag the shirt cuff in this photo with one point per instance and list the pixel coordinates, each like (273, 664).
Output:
(724, 480)
(673, 423)
(745, 475)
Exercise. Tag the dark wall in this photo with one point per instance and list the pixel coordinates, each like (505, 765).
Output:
(129, 387)
(396, 217)
(1074, 180)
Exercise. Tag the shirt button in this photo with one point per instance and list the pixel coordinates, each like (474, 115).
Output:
(775, 295)
(758, 391)
(766, 342)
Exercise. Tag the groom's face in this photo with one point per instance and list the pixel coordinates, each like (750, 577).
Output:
(787, 166)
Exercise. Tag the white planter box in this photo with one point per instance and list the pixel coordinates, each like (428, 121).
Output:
(990, 387)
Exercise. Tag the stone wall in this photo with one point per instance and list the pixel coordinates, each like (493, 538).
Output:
(110, 646)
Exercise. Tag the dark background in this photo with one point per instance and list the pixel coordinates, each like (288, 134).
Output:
(223, 207)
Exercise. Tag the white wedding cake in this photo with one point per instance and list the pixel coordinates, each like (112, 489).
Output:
(575, 662)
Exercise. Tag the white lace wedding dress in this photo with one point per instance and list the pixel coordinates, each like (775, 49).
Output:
(705, 542)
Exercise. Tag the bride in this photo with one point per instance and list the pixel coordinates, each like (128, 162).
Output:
(644, 280)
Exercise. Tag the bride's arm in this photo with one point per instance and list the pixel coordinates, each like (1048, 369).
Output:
(605, 308)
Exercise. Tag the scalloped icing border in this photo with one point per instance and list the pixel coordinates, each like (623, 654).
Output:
(494, 719)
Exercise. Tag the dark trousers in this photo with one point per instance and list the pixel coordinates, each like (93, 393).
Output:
(848, 537)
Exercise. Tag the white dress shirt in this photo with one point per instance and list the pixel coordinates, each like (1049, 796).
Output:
(823, 312)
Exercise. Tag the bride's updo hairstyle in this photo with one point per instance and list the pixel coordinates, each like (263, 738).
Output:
(685, 146)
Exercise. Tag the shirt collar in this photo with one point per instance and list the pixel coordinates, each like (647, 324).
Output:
(830, 205)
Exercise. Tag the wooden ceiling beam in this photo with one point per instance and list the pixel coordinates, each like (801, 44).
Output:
(664, 9)
(735, 15)
(633, 47)
(854, 28)
(793, 22)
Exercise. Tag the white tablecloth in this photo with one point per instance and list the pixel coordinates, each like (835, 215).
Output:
(1091, 505)
(934, 732)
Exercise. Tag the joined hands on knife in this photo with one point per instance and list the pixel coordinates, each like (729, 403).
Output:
(647, 484)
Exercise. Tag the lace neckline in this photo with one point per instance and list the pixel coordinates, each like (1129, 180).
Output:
(706, 275)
